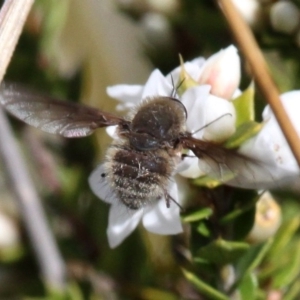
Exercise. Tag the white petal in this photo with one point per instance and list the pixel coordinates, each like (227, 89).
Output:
(291, 103)
(223, 72)
(221, 114)
(129, 95)
(101, 187)
(278, 165)
(162, 220)
(189, 167)
(122, 221)
(194, 99)
(157, 85)
(270, 144)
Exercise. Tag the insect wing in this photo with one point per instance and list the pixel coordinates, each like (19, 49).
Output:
(231, 167)
(51, 115)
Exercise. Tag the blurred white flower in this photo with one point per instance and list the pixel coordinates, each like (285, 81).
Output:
(251, 11)
(270, 146)
(267, 219)
(9, 233)
(156, 217)
(285, 17)
(156, 31)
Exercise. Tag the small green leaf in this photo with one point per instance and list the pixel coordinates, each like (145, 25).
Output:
(152, 293)
(246, 204)
(284, 236)
(199, 215)
(248, 287)
(207, 181)
(72, 292)
(223, 252)
(244, 132)
(252, 259)
(203, 230)
(203, 287)
(244, 106)
(293, 292)
(289, 273)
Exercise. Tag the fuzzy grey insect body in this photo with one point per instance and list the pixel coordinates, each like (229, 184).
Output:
(140, 164)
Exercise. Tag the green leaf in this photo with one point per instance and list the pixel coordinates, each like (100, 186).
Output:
(248, 200)
(293, 292)
(248, 287)
(244, 132)
(252, 259)
(284, 236)
(223, 252)
(203, 287)
(72, 292)
(203, 230)
(207, 181)
(199, 215)
(244, 106)
(152, 293)
(291, 270)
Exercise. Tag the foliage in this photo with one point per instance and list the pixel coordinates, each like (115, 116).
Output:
(213, 258)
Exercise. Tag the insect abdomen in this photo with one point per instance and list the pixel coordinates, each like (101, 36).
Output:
(139, 177)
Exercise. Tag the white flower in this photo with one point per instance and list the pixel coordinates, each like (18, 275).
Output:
(156, 217)
(285, 17)
(270, 146)
(202, 105)
(267, 219)
(251, 11)
(9, 234)
(223, 72)
(202, 108)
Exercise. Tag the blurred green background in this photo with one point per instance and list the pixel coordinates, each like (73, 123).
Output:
(73, 49)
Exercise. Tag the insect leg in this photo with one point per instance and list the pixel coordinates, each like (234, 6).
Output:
(169, 198)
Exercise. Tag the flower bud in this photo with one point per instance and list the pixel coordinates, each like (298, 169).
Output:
(9, 232)
(156, 30)
(267, 219)
(285, 17)
(223, 72)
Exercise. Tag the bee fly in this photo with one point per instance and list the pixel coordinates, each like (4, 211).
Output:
(140, 163)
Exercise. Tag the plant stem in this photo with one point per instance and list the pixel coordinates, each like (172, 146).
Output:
(13, 15)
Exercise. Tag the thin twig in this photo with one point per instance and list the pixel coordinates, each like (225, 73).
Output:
(13, 15)
(50, 261)
(250, 48)
(12, 18)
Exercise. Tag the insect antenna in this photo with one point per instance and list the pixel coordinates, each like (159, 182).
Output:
(175, 88)
(174, 95)
(208, 124)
